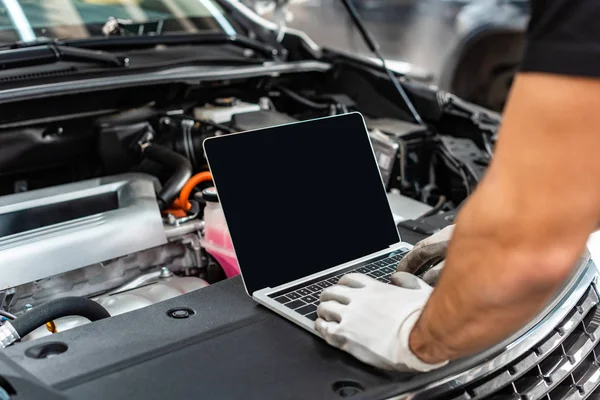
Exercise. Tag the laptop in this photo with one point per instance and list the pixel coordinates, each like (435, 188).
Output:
(305, 204)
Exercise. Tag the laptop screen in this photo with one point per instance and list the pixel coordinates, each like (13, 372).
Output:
(300, 198)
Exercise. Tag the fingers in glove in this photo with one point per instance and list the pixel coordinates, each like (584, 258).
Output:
(328, 330)
(356, 280)
(432, 276)
(422, 257)
(410, 260)
(429, 265)
(339, 293)
(405, 280)
(427, 251)
(331, 311)
(409, 281)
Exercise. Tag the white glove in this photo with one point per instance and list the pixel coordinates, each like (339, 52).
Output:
(426, 258)
(372, 320)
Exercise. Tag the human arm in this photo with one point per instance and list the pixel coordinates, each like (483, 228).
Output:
(518, 237)
(520, 234)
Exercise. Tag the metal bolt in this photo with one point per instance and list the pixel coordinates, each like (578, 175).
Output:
(171, 220)
(180, 313)
(165, 272)
(27, 307)
(165, 121)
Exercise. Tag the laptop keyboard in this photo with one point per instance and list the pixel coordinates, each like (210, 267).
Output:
(306, 299)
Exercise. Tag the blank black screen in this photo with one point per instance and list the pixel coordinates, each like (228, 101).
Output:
(300, 198)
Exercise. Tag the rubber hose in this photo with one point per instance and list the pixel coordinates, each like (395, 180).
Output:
(182, 172)
(301, 99)
(58, 308)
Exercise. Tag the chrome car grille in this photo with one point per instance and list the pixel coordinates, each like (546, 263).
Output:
(563, 365)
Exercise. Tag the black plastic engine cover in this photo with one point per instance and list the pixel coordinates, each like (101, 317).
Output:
(230, 348)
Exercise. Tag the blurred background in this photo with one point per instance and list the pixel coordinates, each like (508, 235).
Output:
(469, 47)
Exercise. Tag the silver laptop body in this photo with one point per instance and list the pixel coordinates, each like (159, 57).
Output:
(267, 296)
(224, 152)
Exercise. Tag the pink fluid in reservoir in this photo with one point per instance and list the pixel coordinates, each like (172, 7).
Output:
(217, 240)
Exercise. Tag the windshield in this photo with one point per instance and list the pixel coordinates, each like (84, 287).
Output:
(26, 20)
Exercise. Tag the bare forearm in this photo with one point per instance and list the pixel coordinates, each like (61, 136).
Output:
(518, 238)
(491, 286)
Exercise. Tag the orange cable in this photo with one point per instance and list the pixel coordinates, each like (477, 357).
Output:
(177, 212)
(194, 181)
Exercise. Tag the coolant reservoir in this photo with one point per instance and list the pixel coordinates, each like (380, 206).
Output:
(217, 241)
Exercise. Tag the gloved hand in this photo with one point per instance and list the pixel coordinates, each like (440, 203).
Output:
(428, 253)
(372, 320)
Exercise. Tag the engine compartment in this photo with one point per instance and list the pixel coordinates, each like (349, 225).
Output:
(92, 199)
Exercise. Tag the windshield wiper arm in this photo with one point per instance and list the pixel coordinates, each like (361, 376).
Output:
(208, 38)
(50, 53)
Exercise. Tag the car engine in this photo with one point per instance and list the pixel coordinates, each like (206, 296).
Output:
(111, 202)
